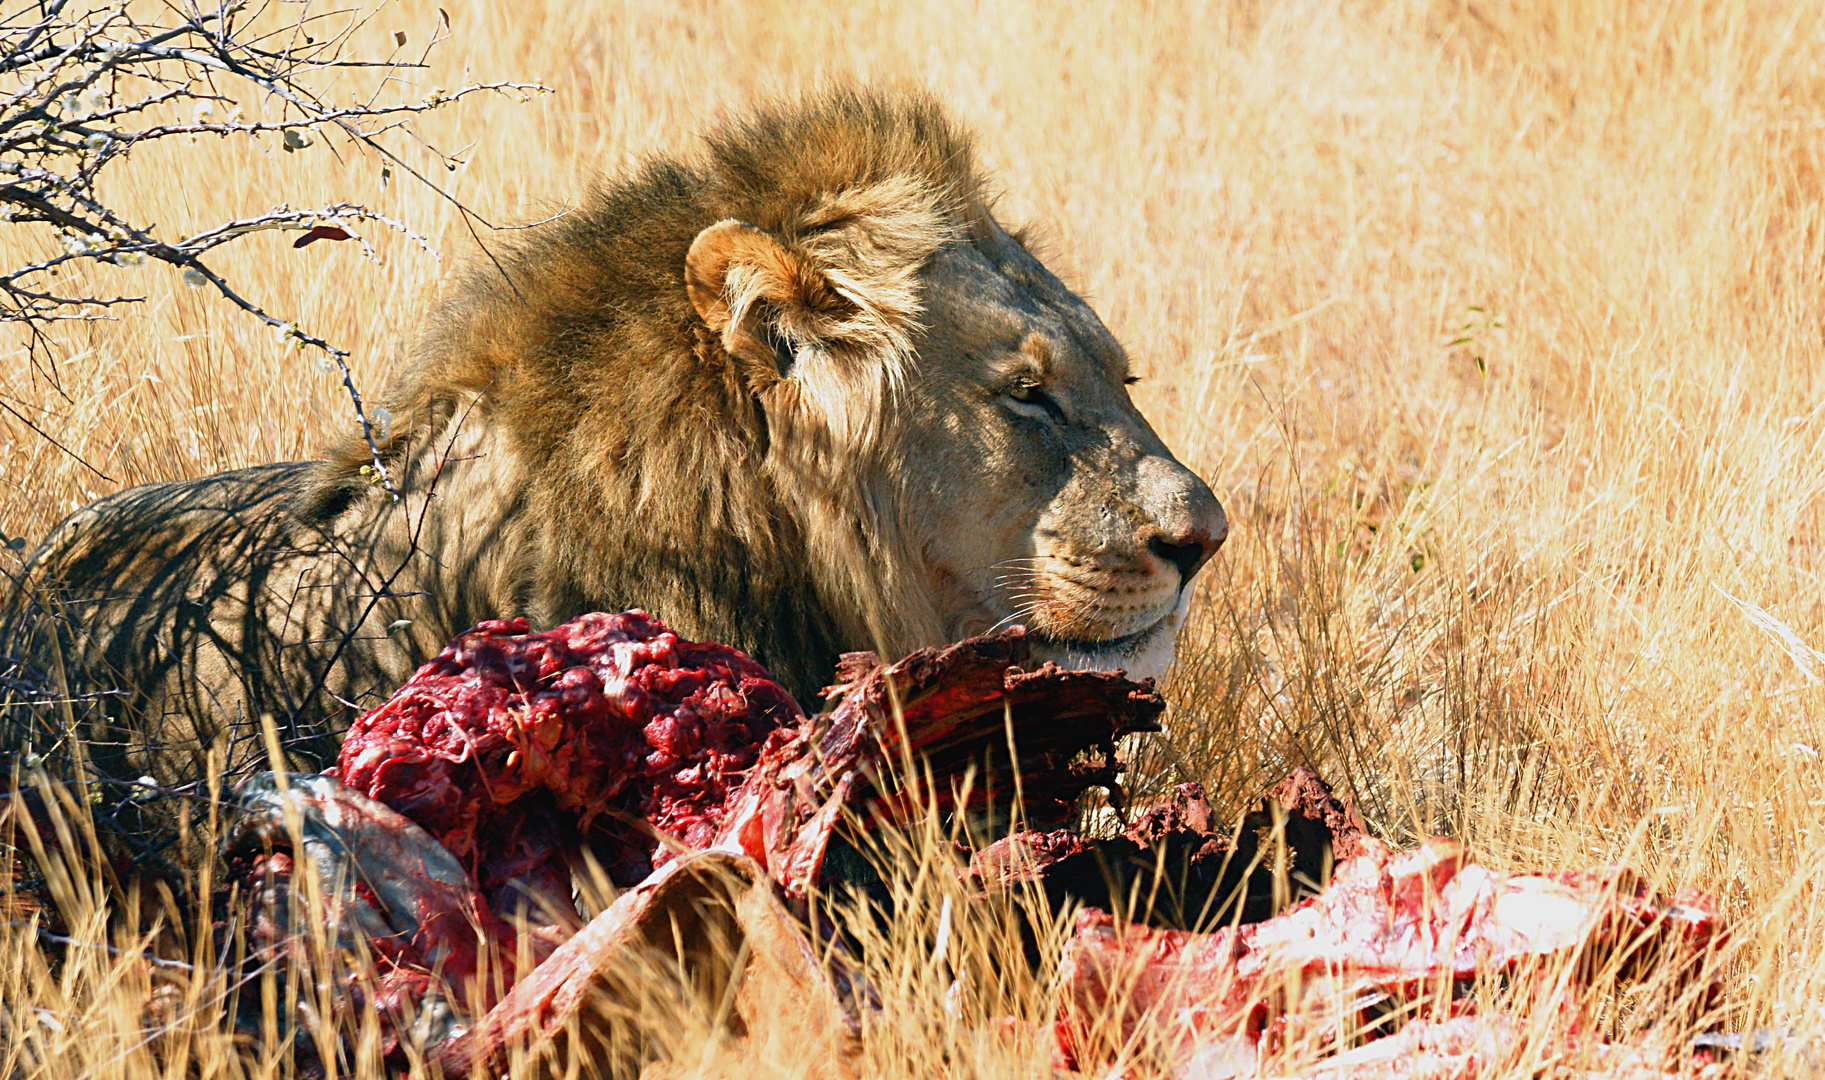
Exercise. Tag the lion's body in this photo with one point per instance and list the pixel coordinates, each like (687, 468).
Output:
(762, 393)
(163, 601)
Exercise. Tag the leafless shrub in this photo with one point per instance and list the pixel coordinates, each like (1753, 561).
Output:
(91, 84)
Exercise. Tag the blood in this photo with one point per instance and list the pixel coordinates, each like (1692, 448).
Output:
(1390, 928)
(511, 752)
(899, 739)
(512, 748)
(516, 751)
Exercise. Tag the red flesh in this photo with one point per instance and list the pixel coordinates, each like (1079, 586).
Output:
(949, 710)
(1404, 924)
(386, 886)
(513, 748)
(509, 746)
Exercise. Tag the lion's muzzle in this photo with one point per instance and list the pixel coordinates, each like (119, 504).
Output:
(1185, 523)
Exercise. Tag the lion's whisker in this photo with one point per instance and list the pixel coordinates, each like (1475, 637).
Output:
(1007, 621)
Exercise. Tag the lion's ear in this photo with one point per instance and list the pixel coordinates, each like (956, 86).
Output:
(765, 299)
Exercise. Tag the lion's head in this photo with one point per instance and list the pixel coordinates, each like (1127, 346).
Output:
(1041, 494)
(801, 392)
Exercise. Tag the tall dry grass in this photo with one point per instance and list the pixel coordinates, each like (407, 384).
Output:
(1496, 327)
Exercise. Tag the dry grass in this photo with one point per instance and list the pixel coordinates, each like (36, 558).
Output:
(1553, 589)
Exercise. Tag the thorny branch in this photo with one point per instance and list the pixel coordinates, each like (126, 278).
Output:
(83, 86)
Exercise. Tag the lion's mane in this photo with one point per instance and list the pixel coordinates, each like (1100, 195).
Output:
(639, 437)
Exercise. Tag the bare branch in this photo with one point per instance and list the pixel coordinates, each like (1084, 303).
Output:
(90, 84)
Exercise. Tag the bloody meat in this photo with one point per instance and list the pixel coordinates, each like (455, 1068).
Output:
(1390, 928)
(512, 748)
(513, 751)
(403, 899)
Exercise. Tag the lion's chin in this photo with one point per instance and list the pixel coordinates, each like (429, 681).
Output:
(1145, 654)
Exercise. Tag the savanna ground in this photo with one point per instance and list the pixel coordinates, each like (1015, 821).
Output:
(1495, 327)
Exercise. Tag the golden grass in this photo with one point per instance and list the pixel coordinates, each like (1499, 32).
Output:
(1553, 589)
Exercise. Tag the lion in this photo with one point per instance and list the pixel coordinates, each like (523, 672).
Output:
(796, 390)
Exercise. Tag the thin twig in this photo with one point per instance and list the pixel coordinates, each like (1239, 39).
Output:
(67, 124)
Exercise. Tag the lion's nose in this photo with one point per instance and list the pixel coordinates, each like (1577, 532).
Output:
(1188, 539)
(1187, 557)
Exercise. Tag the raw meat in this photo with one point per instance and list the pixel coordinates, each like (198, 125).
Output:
(1389, 927)
(385, 887)
(937, 713)
(469, 792)
(692, 776)
(1170, 869)
(512, 748)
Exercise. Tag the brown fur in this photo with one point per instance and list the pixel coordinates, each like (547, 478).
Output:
(761, 391)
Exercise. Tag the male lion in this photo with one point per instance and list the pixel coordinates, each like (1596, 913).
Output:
(798, 392)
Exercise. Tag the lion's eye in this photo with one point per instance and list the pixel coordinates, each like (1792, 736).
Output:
(1029, 400)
